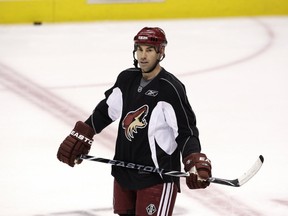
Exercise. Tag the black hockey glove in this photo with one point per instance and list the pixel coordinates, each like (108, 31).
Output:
(199, 167)
(77, 143)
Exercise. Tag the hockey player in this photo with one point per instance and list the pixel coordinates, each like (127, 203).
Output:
(157, 128)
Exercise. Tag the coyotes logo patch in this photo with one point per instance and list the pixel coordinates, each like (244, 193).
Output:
(134, 120)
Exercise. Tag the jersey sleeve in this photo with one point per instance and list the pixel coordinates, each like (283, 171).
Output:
(107, 110)
(185, 129)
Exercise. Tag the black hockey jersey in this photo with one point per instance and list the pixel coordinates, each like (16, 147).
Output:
(156, 126)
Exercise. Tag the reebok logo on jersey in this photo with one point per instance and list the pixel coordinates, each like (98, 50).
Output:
(152, 93)
(134, 120)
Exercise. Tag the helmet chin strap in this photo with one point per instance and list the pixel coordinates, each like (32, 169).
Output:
(135, 61)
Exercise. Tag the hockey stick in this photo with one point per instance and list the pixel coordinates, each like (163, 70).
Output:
(234, 183)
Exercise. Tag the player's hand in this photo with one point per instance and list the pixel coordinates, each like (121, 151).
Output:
(199, 167)
(77, 143)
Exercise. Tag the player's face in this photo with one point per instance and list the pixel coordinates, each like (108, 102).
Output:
(147, 57)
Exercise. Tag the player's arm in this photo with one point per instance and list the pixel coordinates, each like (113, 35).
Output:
(196, 163)
(79, 141)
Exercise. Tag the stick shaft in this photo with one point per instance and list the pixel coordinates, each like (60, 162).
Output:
(234, 183)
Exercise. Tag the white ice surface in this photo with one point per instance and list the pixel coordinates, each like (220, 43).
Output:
(236, 76)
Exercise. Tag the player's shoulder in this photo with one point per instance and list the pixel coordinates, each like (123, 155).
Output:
(129, 73)
(169, 80)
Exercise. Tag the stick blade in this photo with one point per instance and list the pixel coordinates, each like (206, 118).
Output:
(242, 179)
(252, 171)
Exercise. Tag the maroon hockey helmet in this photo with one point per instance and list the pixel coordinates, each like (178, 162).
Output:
(153, 36)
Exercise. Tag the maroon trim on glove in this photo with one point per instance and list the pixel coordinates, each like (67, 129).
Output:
(193, 183)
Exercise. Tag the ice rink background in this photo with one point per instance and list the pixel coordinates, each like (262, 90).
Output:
(235, 72)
